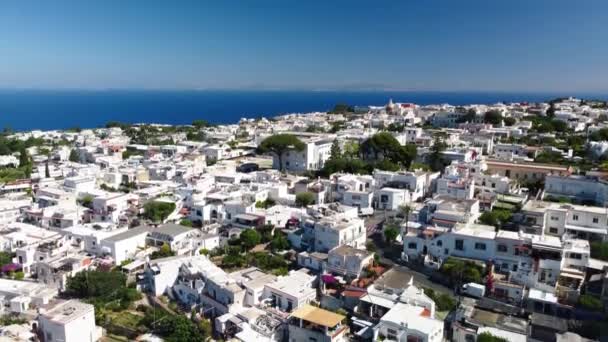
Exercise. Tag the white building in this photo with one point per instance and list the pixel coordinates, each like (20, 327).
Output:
(330, 233)
(391, 198)
(348, 261)
(312, 157)
(310, 323)
(405, 323)
(292, 291)
(71, 321)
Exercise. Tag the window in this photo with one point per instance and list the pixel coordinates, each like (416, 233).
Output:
(459, 245)
(596, 220)
(554, 218)
(552, 230)
(383, 198)
(412, 245)
(439, 243)
(576, 256)
(480, 246)
(575, 217)
(502, 248)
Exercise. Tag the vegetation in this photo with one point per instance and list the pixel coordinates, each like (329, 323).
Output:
(342, 108)
(493, 117)
(381, 151)
(443, 301)
(75, 156)
(436, 159)
(383, 146)
(269, 202)
(186, 223)
(163, 252)
(590, 302)
(158, 211)
(200, 124)
(509, 121)
(106, 290)
(458, 270)
(250, 238)
(278, 144)
(279, 243)
(391, 233)
(304, 199)
(6, 258)
(487, 337)
(87, 201)
(263, 260)
(599, 250)
(496, 217)
(12, 319)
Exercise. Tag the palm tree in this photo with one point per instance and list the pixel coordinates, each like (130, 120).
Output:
(405, 210)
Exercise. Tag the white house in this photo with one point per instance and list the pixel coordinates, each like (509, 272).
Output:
(71, 321)
(348, 261)
(292, 291)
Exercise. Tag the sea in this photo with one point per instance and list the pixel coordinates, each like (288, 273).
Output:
(23, 110)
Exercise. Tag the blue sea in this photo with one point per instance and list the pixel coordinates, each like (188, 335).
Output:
(38, 109)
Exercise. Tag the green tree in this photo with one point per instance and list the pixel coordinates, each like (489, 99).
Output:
(250, 238)
(74, 156)
(496, 217)
(179, 328)
(384, 146)
(487, 337)
(278, 144)
(493, 117)
(336, 151)
(163, 252)
(390, 234)
(25, 161)
(351, 149)
(405, 210)
(599, 250)
(510, 121)
(436, 157)
(279, 243)
(186, 223)
(158, 211)
(551, 110)
(200, 123)
(5, 258)
(342, 108)
(304, 199)
(87, 201)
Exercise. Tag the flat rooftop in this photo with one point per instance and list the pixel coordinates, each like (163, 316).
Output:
(68, 311)
(318, 316)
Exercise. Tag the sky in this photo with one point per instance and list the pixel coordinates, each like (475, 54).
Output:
(514, 45)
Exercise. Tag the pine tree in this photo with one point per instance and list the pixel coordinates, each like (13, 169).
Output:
(25, 161)
(336, 151)
(74, 157)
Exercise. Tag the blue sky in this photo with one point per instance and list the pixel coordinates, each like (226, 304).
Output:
(515, 45)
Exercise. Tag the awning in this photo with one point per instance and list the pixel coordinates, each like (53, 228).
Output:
(379, 301)
(587, 229)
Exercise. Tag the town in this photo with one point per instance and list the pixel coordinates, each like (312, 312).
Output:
(397, 222)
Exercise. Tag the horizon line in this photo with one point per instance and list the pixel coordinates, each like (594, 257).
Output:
(310, 89)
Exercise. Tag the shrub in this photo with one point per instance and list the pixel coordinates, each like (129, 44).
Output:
(590, 302)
